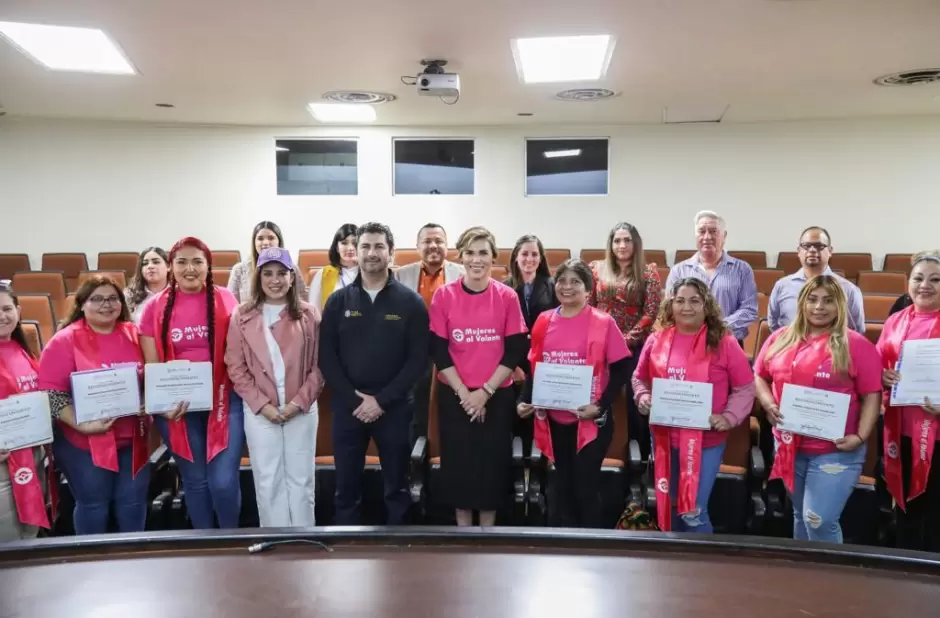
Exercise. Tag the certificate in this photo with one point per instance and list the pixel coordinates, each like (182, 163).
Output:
(105, 393)
(920, 376)
(168, 384)
(25, 420)
(562, 387)
(677, 403)
(814, 412)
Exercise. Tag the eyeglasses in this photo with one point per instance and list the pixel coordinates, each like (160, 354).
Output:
(101, 301)
(818, 246)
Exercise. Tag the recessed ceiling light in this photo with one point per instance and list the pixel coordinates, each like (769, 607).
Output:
(563, 58)
(64, 48)
(553, 154)
(340, 112)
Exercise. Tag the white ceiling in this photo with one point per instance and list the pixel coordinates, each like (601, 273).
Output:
(258, 62)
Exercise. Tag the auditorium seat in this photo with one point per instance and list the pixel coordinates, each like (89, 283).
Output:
(757, 259)
(43, 282)
(753, 331)
(406, 256)
(117, 275)
(873, 331)
(557, 257)
(736, 505)
(12, 263)
(851, 263)
(655, 256)
(226, 259)
(220, 276)
(757, 334)
(312, 257)
(71, 265)
(766, 278)
(38, 308)
(663, 274)
(882, 282)
(788, 262)
(310, 274)
(125, 261)
(33, 336)
(877, 306)
(499, 272)
(900, 262)
(426, 482)
(597, 255)
(683, 254)
(503, 254)
(452, 256)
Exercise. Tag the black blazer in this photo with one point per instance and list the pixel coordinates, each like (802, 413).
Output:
(543, 299)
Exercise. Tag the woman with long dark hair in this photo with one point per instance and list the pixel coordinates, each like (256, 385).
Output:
(691, 343)
(106, 462)
(266, 234)
(22, 504)
(271, 355)
(343, 268)
(149, 280)
(189, 321)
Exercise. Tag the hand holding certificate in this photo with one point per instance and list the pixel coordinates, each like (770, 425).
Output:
(919, 367)
(104, 394)
(25, 421)
(561, 387)
(813, 412)
(166, 385)
(677, 403)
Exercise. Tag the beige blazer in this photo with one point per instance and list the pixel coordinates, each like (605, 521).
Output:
(410, 274)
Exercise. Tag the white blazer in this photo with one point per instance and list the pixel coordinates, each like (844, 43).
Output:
(410, 274)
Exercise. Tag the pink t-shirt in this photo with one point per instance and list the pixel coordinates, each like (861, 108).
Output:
(729, 368)
(921, 324)
(57, 364)
(189, 330)
(864, 378)
(475, 326)
(17, 363)
(566, 344)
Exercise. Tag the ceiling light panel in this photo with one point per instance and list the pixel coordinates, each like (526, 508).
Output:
(65, 48)
(563, 59)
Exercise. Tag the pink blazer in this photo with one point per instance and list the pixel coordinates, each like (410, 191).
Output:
(249, 361)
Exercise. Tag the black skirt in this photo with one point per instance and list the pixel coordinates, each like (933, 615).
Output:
(476, 458)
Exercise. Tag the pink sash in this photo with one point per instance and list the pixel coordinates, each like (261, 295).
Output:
(923, 443)
(596, 357)
(690, 440)
(217, 439)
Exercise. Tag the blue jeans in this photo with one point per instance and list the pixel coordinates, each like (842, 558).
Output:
(696, 520)
(95, 489)
(212, 489)
(821, 487)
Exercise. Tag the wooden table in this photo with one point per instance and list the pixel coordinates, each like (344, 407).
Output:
(442, 572)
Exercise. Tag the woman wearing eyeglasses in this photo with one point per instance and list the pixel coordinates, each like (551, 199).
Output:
(105, 462)
(818, 350)
(22, 502)
(691, 343)
(576, 441)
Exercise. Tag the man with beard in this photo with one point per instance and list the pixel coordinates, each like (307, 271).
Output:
(373, 349)
(425, 277)
(814, 250)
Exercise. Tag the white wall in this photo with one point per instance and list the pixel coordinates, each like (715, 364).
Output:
(78, 186)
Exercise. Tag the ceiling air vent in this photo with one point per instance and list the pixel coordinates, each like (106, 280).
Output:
(910, 78)
(582, 95)
(353, 96)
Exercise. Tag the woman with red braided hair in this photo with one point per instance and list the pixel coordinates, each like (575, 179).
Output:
(189, 321)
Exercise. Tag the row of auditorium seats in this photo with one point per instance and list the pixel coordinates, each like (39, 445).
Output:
(72, 265)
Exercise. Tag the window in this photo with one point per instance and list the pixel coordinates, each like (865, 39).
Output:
(566, 166)
(317, 167)
(434, 166)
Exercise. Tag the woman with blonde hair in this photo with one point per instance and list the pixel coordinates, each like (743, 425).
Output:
(691, 343)
(818, 350)
(477, 339)
(630, 290)
(266, 234)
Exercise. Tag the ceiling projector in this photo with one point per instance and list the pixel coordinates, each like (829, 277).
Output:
(434, 82)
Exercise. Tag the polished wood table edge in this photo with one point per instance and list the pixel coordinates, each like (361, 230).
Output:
(433, 537)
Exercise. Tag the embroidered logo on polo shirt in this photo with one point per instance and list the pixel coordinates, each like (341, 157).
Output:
(352, 314)
(392, 316)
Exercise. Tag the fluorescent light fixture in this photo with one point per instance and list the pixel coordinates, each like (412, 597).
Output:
(342, 112)
(552, 154)
(282, 148)
(563, 58)
(64, 48)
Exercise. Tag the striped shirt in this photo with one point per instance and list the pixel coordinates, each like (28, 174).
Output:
(732, 285)
(781, 310)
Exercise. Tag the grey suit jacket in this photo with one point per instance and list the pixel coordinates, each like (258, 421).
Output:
(410, 274)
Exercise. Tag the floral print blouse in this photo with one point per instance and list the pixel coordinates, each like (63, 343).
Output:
(634, 313)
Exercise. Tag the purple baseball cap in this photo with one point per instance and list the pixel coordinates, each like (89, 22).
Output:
(275, 254)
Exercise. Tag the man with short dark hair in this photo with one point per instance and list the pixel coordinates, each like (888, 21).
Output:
(373, 348)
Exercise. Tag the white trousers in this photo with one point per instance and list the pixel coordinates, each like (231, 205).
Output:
(282, 467)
